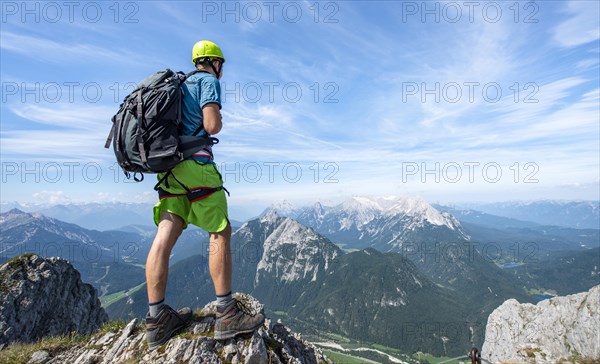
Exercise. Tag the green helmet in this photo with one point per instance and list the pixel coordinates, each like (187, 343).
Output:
(206, 48)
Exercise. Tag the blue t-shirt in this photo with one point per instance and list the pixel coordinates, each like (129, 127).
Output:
(198, 90)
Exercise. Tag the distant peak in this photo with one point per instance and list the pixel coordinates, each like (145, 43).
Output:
(14, 215)
(15, 211)
(282, 204)
(271, 216)
(284, 208)
(361, 202)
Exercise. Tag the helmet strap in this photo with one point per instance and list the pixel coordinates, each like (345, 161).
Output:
(216, 70)
(208, 60)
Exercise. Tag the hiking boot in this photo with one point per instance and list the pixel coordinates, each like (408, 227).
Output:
(161, 328)
(236, 319)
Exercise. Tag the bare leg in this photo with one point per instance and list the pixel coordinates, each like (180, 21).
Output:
(157, 263)
(219, 260)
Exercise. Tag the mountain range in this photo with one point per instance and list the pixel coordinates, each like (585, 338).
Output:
(24, 232)
(95, 216)
(395, 271)
(381, 223)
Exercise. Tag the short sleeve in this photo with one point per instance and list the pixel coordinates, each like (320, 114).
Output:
(210, 91)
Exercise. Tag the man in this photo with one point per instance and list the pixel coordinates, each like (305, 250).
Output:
(192, 193)
(475, 356)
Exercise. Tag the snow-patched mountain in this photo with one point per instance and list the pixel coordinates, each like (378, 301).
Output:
(293, 252)
(384, 223)
(279, 255)
(285, 208)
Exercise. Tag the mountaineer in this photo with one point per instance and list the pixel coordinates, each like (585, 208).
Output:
(193, 193)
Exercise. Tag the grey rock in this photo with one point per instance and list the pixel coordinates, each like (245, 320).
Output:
(120, 342)
(293, 350)
(256, 352)
(560, 328)
(39, 357)
(195, 345)
(204, 325)
(45, 297)
(231, 352)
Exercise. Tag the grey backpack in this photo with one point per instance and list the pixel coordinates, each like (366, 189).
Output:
(146, 130)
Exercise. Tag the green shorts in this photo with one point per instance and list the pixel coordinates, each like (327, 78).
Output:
(208, 213)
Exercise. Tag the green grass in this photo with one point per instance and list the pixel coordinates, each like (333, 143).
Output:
(112, 326)
(18, 261)
(339, 358)
(21, 353)
(280, 313)
(14, 263)
(109, 299)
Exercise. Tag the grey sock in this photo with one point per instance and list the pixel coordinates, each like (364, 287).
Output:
(224, 300)
(156, 307)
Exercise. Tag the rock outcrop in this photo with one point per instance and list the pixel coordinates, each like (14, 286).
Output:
(45, 297)
(195, 345)
(561, 328)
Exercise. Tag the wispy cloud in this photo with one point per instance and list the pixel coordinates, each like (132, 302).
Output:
(270, 130)
(57, 132)
(67, 116)
(54, 145)
(582, 26)
(51, 197)
(39, 48)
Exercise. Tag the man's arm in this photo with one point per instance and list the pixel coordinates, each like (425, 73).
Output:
(212, 118)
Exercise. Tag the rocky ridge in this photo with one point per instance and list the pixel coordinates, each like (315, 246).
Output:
(560, 328)
(195, 345)
(45, 297)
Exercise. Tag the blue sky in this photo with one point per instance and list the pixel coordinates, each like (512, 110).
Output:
(450, 101)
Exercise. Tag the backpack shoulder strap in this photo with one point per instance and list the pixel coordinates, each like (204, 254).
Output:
(110, 136)
(185, 76)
